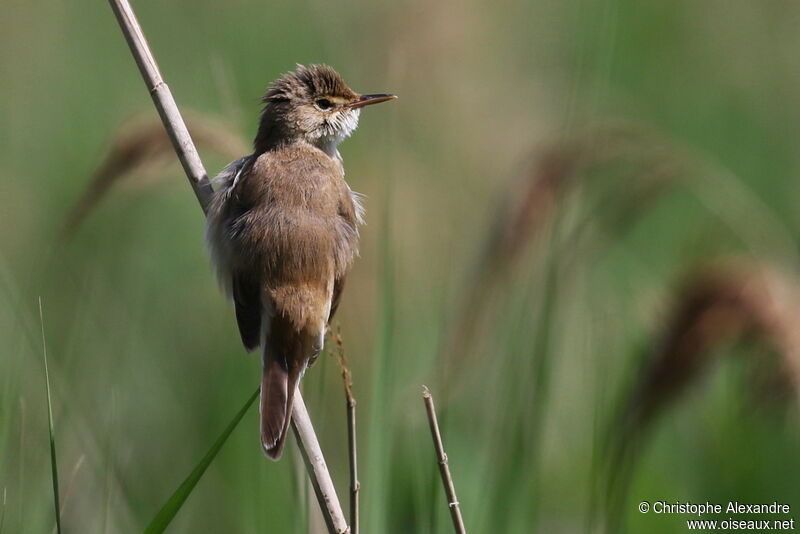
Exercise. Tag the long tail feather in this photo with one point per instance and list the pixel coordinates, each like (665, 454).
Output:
(276, 451)
(285, 355)
(274, 406)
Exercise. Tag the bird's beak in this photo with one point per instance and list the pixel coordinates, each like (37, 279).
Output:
(366, 100)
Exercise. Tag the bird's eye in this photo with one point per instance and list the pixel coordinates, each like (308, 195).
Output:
(324, 103)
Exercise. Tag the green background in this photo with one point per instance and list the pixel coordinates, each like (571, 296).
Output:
(145, 361)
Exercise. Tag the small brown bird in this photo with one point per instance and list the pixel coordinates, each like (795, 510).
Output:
(282, 230)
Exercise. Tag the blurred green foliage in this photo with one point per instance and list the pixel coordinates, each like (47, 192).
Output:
(145, 363)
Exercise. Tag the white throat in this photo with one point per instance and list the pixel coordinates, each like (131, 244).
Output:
(338, 128)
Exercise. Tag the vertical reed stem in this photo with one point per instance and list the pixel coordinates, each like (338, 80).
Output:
(355, 485)
(444, 468)
(352, 447)
(350, 403)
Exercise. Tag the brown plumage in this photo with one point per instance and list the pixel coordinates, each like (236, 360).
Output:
(282, 231)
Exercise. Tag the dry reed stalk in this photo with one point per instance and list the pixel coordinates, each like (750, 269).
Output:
(317, 469)
(193, 166)
(164, 102)
(143, 146)
(350, 405)
(355, 485)
(444, 467)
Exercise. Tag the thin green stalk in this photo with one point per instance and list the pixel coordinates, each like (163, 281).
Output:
(53, 462)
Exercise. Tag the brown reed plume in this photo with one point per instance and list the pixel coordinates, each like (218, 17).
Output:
(633, 167)
(142, 148)
(717, 304)
(614, 149)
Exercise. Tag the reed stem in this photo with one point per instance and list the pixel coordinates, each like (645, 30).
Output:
(444, 467)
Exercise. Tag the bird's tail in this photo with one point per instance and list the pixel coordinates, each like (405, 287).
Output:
(284, 358)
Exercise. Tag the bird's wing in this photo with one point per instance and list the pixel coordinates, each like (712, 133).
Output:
(230, 175)
(248, 306)
(237, 284)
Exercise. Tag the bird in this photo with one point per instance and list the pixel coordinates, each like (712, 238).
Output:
(282, 232)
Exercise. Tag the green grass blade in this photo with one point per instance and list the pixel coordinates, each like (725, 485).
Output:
(167, 513)
(53, 462)
(3, 512)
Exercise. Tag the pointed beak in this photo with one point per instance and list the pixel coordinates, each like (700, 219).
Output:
(366, 100)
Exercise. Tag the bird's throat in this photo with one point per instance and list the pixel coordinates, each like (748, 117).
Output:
(329, 145)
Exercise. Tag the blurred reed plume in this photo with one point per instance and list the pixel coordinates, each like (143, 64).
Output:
(627, 167)
(717, 304)
(142, 148)
(598, 181)
(644, 163)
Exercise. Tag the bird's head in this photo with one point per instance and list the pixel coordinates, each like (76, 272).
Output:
(312, 104)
